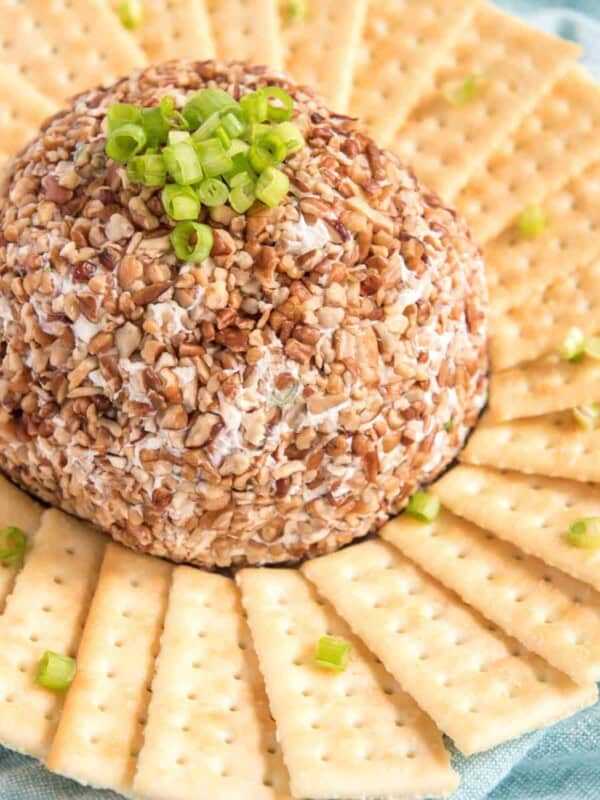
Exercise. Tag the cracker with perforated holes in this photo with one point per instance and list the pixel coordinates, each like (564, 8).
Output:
(209, 727)
(519, 266)
(46, 611)
(322, 50)
(63, 48)
(557, 141)
(22, 110)
(247, 30)
(555, 616)
(174, 29)
(350, 734)
(515, 66)
(553, 445)
(479, 686)
(20, 510)
(530, 511)
(542, 387)
(102, 724)
(402, 46)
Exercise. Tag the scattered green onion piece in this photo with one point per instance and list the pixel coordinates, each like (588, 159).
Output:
(13, 544)
(242, 195)
(258, 130)
(178, 136)
(272, 186)
(155, 126)
(212, 192)
(332, 653)
(120, 114)
(573, 346)
(460, 94)
(587, 417)
(125, 142)
(532, 221)
(171, 115)
(56, 672)
(423, 506)
(180, 202)
(592, 347)
(255, 107)
(192, 241)
(286, 396)
(449, 424)
(585, 533)
(296, 10)
(291, 135)
(213, 158)
(237, 146)
(223, 137)
(233, 123)
(149, 169)
(282, 109)
(241, 166)
(208, 128)
(268, 151)
(183, 163)
(204, 104)
(131, 14)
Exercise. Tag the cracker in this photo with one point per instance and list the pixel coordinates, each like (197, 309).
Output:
(529, 511)
(526, 332)
(553, 445)
(554, 143)
(20, 510)
(476, 683)
(322, 50)
(102, 723)
(22, 110)
(555, 616)
(209, 729)
(403, 45)
(174, 29)
(247, 30)
(448, 144)
(66, 46)
(518, 266)
(46, 611)
(353, 734)
(544, 386)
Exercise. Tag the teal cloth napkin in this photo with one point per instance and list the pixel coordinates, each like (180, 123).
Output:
(560, 764)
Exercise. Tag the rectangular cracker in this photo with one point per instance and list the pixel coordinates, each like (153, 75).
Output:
(529, 511)
(555, 616)
(447, 144)
(247, 30)
(174, 29)
(526, 332)
(554, 143)
(22, 110)
(209, 731)
(20, 510)
(67, 46)
(476, 683)
(403, 45)
(46, 611)
(101, 728)
(519, 266)
(322, 50)
(353, 734)
(553, 445)
(542, 387)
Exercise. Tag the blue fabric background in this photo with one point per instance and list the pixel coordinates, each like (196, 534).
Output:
(560, 764)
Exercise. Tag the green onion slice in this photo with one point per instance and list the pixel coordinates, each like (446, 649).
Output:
(585, 533)
(233, 122)
(183, 163)
(587, 417)
(149, 169)
(592, 347)
(333, 653)
(255, 107)
(423, 506)
(464, 92)
(56, 672)
(242, 195)
(204, 104)
(180, 202)
(286, 396)
(171, 115)
(212, 192)
(291, 135)
(279, 103)
(213, 157)
(573, 346)
(177, 136)
(13, 545)
(192, 241)
(131, 14)
(272, 186)
(120, 114)
(296, 10)
(268, 151)
(532, 221)
(125, 142)
(208, 128)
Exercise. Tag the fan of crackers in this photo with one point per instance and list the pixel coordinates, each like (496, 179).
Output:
(483, 624)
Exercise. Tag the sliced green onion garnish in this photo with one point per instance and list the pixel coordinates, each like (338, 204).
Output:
(205, 103)
(180, 202)
(255, 107)
(183, 163)
(212, 192)
(120, 114)
(243, 195)
(236, 147)
(585, 533)
(178, 136)
(124, 142)
(268, 151)
(234, 123)
(272, 186)
(532, 221)
(592, 347)
(332, 653)
(573, 346)
(171, 115)
(13, 545)
(291, 135)
(56, 672)
(208, 128)
(149, 169)
(279, 103)
(467, 91)
(222, 135)
(286, 396)
(213, 158)
(587, 417)
(296, 10)
(155, 125)
(192, 241)
(423, 506)
(241, 166)
(131, 14)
